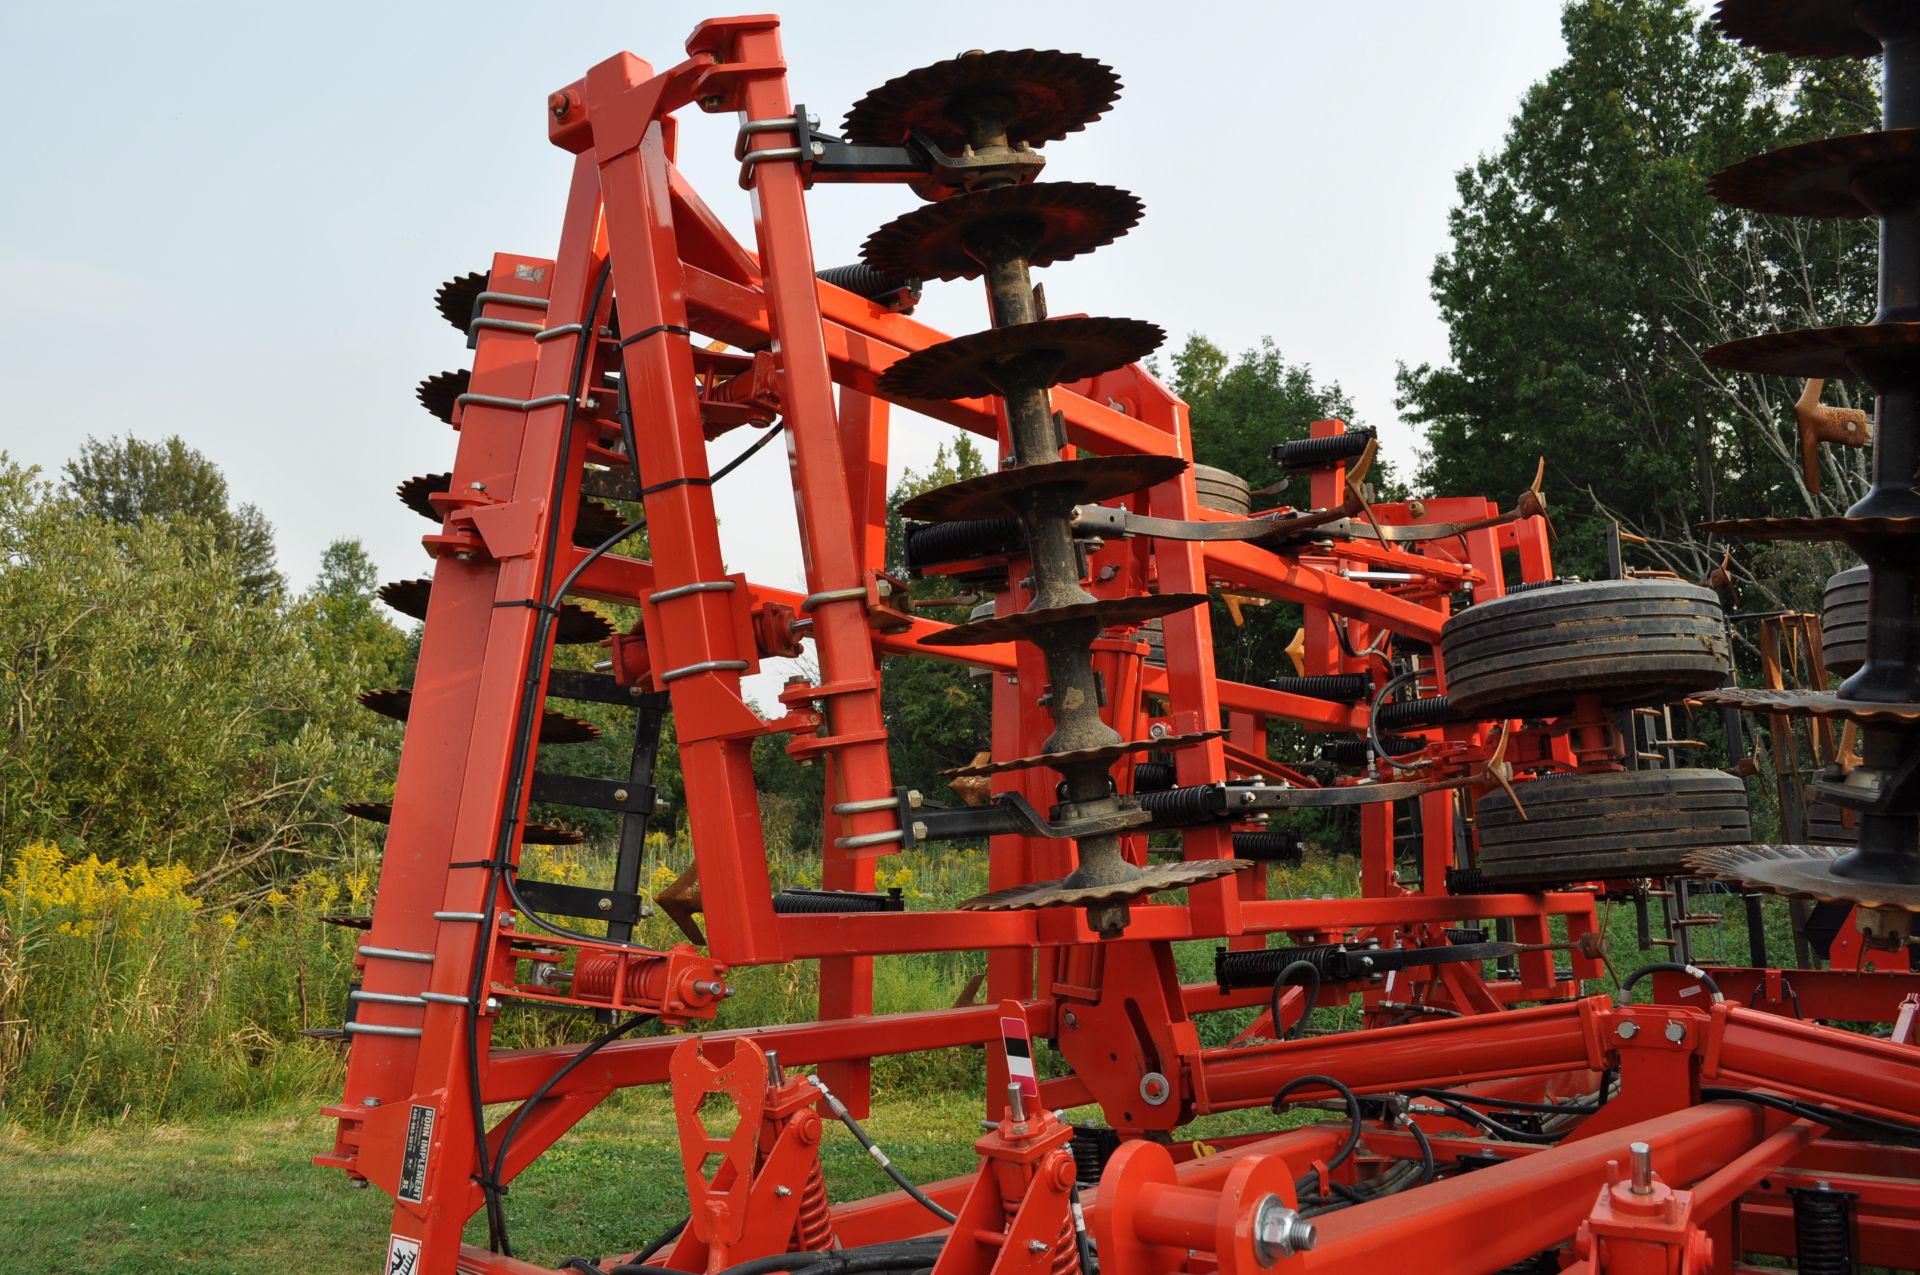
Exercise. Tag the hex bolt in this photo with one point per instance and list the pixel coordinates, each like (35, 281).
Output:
(1642, 1159)
(1279, 1231)
(782, 1191)
(1676, 1030)
(1036, 1246)
(619, 794)
(1072, 1020)
(604, 904)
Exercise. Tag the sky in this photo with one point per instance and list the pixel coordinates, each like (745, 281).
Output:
(228, 221)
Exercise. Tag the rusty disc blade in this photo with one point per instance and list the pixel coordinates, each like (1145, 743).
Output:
(1055, 221)
(1812, 704)
(1833, 527)
(1804, 872)
(1094, 479)
(555, 728)
(1801, 28)
(1106, 752)
(577, 625)
(415, 492)
(594, 522)
(1025, 626)
(533, 834)
(1815, 179)
(1040, 95)
(439, 392)
(1023, 356)
(1059, 894)
(1818, 352)
(456, 297)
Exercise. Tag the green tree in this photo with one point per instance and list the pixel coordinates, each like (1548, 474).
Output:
(1590, 267)
(149, 707)
(938, 713)
(133, 482)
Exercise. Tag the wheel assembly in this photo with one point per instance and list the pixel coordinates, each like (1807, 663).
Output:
(1625, 642)
(1624, 824)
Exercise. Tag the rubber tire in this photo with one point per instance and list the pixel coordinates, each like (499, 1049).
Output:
(1843, 621)
(1630, 642)
(1628, 823)
(1825, 826)
(1222, 491)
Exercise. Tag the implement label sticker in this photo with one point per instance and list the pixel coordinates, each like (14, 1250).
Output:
(413, 1162)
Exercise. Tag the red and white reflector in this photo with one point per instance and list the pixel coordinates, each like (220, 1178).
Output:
(1017, 1039)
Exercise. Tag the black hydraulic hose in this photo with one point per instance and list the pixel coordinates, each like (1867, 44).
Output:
(1427, 1166)
(524, 727)
(663, 1239)
(1494, 1128)
(900, 1179)
(1830, 1116)
(1285, 979)
(560, 1073)
(1669, 967)
(1353, 1115)
(1373, 717)
(1489, 1103)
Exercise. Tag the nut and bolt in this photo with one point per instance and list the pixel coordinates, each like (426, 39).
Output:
(1036, 1246)
(1279, 1231)
(604, 904)
(1627, 1031)
(1676, 1030)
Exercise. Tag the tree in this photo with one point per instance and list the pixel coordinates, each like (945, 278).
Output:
(938, 714)
(151, 709)
(1240, 408)
(1590, 267)
(134, 482)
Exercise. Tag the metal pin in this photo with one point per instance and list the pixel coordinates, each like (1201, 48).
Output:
(1642, 1158)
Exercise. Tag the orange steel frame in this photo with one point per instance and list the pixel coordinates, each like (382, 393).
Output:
(443, 912)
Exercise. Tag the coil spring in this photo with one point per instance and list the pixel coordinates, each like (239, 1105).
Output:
(935, 543)
(1431, 711)
(1182, 807)
(1313, 453)
(1092, 1146)
(813, 1225)
(1342, 688)
(1823, 1230)
(1465, 934)
(796, 901)
(1357, 752)
(1266, 847)
(1152, 776)
(1466, 881)
(1065, 1258)
(1528, 586)
(593, 976)
(1258, 968)
(863, 280)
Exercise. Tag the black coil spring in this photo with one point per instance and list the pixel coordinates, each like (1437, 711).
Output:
(1466, 881)
(1258, 968)
(1341, 688)
(1182, 807)
(934, 543)
(1313, 453)
(1267, 847)
(1528, 586)
(1823, 1230)
(1357, 752)
(1431, 711)
(1092, 1146)
(1465, 934)
(864, 280)
(796, 900)
(1152, 776)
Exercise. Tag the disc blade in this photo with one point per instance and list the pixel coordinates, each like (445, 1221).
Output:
(1832, 527)
(1022, 356)
(456, 298)
(1815, 179)
(414, 493)
(555, 727)
(577, 625)
(1093, 479)
(1818, 352)
(440, 392)
(1813, 704)
(1051, 221)
(1801, 28)
(1803, 872)
(1029, 626)
(1039, 95)
(1059, 894)
(1106, 752)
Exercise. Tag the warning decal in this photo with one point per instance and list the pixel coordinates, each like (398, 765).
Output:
(403, 1254)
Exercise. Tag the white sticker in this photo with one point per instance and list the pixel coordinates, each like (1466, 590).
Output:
(403, 1256)
(1690, 991)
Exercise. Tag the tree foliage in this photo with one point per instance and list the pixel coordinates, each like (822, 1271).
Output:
(134, 482)
(1589, 268)
(154, 707)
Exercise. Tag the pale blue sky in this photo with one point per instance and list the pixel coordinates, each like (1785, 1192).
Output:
(228, 220)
